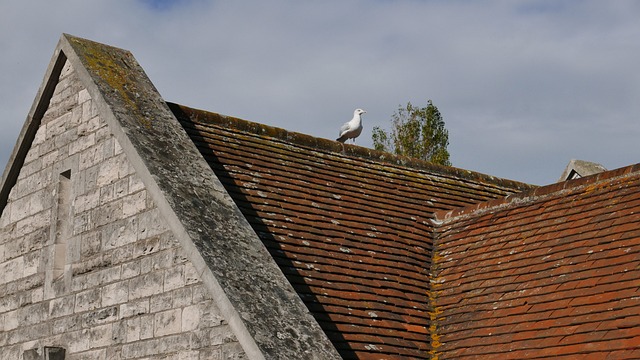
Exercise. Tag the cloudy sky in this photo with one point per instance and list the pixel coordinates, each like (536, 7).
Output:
(523, 86)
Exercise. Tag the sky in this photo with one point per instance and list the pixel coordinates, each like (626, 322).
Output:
(523, 86)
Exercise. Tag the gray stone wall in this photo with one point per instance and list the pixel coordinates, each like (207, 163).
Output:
(86, 261)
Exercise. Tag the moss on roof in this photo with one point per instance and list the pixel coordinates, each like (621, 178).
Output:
(111, 68)
(399, 163)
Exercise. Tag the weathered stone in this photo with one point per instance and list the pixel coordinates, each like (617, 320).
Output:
(127, 280)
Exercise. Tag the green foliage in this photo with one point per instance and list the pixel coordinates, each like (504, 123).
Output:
(416, 132)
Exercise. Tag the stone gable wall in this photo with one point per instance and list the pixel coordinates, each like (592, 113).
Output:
(86, 261)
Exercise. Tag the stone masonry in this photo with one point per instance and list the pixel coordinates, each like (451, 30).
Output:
(86, 261)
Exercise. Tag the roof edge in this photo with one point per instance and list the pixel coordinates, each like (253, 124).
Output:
(527, 197)
(332, 146)
(244, 280)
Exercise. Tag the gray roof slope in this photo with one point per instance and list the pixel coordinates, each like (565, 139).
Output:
(266, 314)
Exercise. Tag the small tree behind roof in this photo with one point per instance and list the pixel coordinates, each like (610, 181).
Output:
(415, 132)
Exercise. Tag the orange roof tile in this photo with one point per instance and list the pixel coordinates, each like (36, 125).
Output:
(351, 232)
(553, 272)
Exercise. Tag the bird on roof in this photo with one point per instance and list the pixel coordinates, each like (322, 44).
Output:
(352, 129)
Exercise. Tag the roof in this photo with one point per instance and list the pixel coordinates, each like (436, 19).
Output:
(351, 232)
(552, 272)
(579, 168)
(319, 250)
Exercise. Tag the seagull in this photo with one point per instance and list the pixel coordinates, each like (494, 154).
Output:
(353, 128)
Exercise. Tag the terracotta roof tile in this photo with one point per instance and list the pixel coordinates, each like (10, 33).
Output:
(349, 227)
(552, 272)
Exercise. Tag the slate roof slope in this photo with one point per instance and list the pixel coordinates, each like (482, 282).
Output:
(352, 233)
(551, 273)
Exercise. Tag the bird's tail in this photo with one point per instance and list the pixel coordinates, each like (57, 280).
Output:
(342, 139)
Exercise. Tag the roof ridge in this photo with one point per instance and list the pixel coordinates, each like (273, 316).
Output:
(529, 196)
(332, 146)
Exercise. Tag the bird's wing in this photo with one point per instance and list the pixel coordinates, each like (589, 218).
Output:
(345, 127)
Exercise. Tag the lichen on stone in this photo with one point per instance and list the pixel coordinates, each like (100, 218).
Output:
(114, 71)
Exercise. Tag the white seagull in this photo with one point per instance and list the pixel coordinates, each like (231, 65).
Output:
(353, 128)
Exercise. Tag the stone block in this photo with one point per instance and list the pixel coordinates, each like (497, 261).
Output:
(32, 154)
(103, 133)
(146, 247)
(161, 302)
(190, 318)
(33, 314)
(108, 147)
(150, 224)
(118, 234)
(12, 270)
(32, 262)
(50, 158)
(66, 325)
(90, 178)
(57, 126)
(145, 285)
(99, 354)
(131, 269)
(156, 260)
(83, 96)
(33, 223)
(190, 274)
(116, 293)
(124, 166)
(168, 322)
(87, 300)
(90, 244)
(82, 142)
(11, 320)
(135, 184)
(147, 326)
(76, 116)
(119, 333)
(79, 341)
(100, 336)
(61, 306)
(210, 315)
(114, 191)
(121, 188)
(99, 317)
(134, 308)
(19, 209)
(39, 201)
(107, 171)
(134, 204)
(62, 141)
(200, 293)
(189, 355)
(81, 223)
(174, 278)
(89, 110)
(133, 329)
(90, 157)
(31, 168)
(106, 214)
(182, 297)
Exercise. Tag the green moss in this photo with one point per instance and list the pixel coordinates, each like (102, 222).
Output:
(113, 70)
(434, 310)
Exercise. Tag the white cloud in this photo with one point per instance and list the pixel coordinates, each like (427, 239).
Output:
(523, 86)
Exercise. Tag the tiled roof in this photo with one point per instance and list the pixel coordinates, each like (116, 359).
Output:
(349, 227)
(550, 273)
